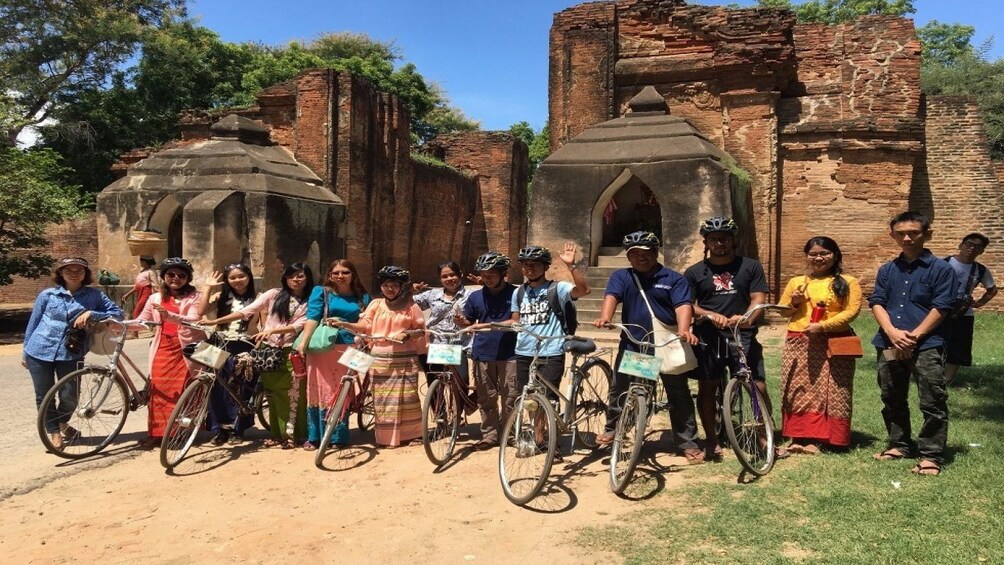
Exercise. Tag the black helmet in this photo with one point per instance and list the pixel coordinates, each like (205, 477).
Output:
(492, 260)
(392, 273)
(719, 224)
(176, 263)
(535, 253)
(645, 239)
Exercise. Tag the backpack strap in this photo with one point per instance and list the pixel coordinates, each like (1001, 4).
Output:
(555, 305)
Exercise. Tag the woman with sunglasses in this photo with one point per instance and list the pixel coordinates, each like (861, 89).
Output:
(346, 297)
(177, 301)
(237, 291)
(816, 388)
(51, 350)
(285, 311)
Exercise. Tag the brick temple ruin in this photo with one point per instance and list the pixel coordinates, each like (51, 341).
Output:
(828, 122)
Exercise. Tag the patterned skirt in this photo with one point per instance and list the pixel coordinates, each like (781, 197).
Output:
(324, 377)
(816, 391)
(395, 398)
(167, 379)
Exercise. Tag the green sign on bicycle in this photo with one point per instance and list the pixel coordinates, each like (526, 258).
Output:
(640, 365)
(445, 354)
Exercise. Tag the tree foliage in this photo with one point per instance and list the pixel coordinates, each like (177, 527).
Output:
(839, 11)
(33, 195)
(539, 143)
(51, 49)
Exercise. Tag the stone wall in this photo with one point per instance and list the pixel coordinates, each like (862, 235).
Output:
(76, 238)
(960, 189)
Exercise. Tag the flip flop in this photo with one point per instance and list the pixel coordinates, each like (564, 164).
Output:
(927, 468)
(606, 438)
(891, 454)
(694, 456)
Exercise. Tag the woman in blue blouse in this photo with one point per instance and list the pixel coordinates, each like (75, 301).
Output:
(71, 303)
(347, 298)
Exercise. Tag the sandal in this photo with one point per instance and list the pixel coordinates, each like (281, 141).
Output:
(271, 442)
(715, 454)
(694, 456)
(927, 468)
(781, 453)
(891, 454)
(606, 438)
(307, 446)
(289, 444)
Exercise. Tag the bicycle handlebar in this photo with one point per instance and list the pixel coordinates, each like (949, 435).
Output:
(624, 329)
(521, 328)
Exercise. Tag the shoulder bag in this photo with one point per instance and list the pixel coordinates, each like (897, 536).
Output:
(677, 355)
(844, 346)
(324, 336)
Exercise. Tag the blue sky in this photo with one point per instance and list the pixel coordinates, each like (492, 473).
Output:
(489, 56)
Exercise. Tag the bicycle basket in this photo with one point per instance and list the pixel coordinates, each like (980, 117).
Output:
(207, 354)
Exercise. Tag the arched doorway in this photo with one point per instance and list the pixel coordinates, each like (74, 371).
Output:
(626, 205)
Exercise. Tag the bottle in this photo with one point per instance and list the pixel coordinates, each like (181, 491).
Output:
(299, 364)
(818, 312)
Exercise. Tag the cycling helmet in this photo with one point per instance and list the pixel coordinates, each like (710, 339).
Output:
(392, 273)
(643, 239)
(535, 253)
(176, 263)
(492, 260)
(719, 224)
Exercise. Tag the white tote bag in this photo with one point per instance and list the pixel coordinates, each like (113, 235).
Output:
(677, 355)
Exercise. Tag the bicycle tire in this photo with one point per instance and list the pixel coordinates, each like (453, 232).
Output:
(95, 393)
(591, 398)
(331, 423)
(746, 423)
(440, 422)
(186, 421)
(629, 437)
(366, 416)
(519, 445)
(261, 408)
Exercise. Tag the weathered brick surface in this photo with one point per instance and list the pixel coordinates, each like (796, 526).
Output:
(76, 238)
(960, 189)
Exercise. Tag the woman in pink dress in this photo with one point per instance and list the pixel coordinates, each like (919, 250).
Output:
(394, 372)
(143, 285)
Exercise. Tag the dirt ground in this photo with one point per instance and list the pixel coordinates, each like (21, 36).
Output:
(251, 504)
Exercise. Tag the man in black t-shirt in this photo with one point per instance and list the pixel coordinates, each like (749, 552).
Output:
(725, 286)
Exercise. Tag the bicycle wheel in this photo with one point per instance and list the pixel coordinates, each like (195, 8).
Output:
(749, 427)
(628, 440)
(332, 421)
(591, 398)
(529, 440)
(261, 408)
(366, 415)
(186, 421)
(440, 421)
(88, 408)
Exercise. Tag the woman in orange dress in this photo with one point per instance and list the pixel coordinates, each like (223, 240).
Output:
(394, 373)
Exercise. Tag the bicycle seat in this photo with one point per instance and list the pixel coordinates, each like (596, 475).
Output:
(579, 347)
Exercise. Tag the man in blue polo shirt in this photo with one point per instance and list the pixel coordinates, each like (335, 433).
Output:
(912, 295)
(669, 295)
(493, 353)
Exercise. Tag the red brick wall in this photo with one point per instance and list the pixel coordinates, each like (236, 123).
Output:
(77, 238)
(960, 189)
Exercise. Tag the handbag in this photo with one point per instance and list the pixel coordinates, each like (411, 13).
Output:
(677, 355)
(844, 346)
(108, 278)
(76, 338)
(267, 358)
(324, 336)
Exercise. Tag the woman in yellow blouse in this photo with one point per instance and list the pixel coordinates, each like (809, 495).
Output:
(816, 405)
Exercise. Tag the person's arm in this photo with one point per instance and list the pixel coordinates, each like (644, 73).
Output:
(988, 295)
(684, 316)
(607, 310)
(106, 308)
(37, 311)
(207, 289)
(851, 309)
(579, 280)
(365, 323)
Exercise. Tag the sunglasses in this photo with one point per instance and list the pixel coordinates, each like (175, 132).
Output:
(175, 276)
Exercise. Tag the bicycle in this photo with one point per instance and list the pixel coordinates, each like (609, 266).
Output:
(447, 401)
(745, 415)
(193, 405)
(640, 403)
(89, 406)
(530, 436)
(362, 397)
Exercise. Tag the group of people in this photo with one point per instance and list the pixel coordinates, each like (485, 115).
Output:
(923, 306)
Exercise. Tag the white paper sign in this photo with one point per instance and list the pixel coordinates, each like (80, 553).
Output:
(356, 360)
(445, 354)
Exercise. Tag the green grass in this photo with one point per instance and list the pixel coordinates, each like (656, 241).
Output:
(844, 507)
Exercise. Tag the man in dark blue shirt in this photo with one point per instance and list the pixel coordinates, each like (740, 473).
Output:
(912, 295)
(493, 353)
(669, 295)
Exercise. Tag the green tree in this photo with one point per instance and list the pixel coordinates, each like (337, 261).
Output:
(539, 143)
(32, 197)
(838, 11)
(971, 74)
(944, 44)
(522, 131)
(49, 49)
